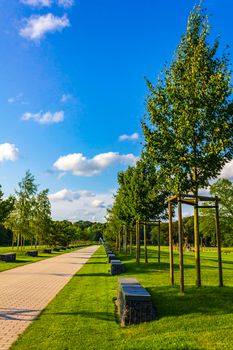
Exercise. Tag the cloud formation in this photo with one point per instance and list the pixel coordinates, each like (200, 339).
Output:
(98, 203)
(44, 118)
(37, 3)
(65, 3)
(70, 196)
(80, 205)
(65, 97)
(133, 137)
(38, 26)
(48, 3)
(79, 165)
(8, 151)
(227, 171)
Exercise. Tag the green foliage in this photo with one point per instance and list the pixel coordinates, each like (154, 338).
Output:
(189, 126)
(138, 198)
(223, 188)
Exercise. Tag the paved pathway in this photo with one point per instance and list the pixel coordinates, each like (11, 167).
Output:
(26, 290)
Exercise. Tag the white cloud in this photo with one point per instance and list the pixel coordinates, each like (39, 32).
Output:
(44, 118)
(65, 97)
(133, 137)
(37, 26)
(8, 151)
(17, 98)
(70, 196)
(79, 165)
(65, 3)
(37, 3)
(227, 170)
(98, 203)
(78, 205)
(48, 3)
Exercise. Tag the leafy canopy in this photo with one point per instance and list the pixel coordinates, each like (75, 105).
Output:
(189, 125)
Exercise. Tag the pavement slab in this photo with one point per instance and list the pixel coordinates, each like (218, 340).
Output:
(26, 290)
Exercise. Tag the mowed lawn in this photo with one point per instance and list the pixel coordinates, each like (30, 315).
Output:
(23, 259)
(83, 315)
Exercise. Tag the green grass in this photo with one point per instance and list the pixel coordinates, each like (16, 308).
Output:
(83, 315)
(23, 259)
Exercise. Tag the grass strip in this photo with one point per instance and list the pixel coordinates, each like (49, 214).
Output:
(83, 314)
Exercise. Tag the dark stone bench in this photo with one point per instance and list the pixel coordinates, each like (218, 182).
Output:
(32, 253)
(63, 248)
(47, 250)
(117, 267)
(8, 257)
(56, 249)
(111, 257)
(134, 302)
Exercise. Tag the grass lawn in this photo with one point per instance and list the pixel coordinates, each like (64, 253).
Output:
(23, 259)
(83, 314)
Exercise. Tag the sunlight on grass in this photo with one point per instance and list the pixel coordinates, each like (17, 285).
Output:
(83, 315)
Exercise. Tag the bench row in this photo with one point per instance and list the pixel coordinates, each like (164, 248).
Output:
(11, 257)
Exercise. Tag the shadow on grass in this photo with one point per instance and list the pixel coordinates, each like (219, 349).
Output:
(206, 300)
(106, 316)
(101, 274)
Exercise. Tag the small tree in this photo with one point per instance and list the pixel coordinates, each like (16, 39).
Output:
(188, 132)
(41, 220)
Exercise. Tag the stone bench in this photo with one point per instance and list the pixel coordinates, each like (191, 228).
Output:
(47, 250)
(56, 249)
(8, 257)
(117, 267)
(32, 253)
(111, 257)
(134, 302)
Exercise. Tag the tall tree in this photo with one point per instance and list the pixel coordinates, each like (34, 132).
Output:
(19, 220)
(189, 126)
(41, 219)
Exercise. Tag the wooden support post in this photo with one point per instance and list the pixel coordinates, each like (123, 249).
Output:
(159, 242)
(170, 243)
(218, 237)
(180, 234)
(197, 242)
(145, 243)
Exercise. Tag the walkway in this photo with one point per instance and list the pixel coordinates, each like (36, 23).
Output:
(25, 291)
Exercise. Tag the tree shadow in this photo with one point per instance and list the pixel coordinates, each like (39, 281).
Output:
(101, 274)
(206, 300)
(105, 316)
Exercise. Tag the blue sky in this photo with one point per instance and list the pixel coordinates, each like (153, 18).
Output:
(72, 90)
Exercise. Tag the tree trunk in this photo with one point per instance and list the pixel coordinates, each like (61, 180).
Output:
(126, 240)
(119, 248)
(159, 242)
(145, 243)
(137, 243)
(131, 242)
